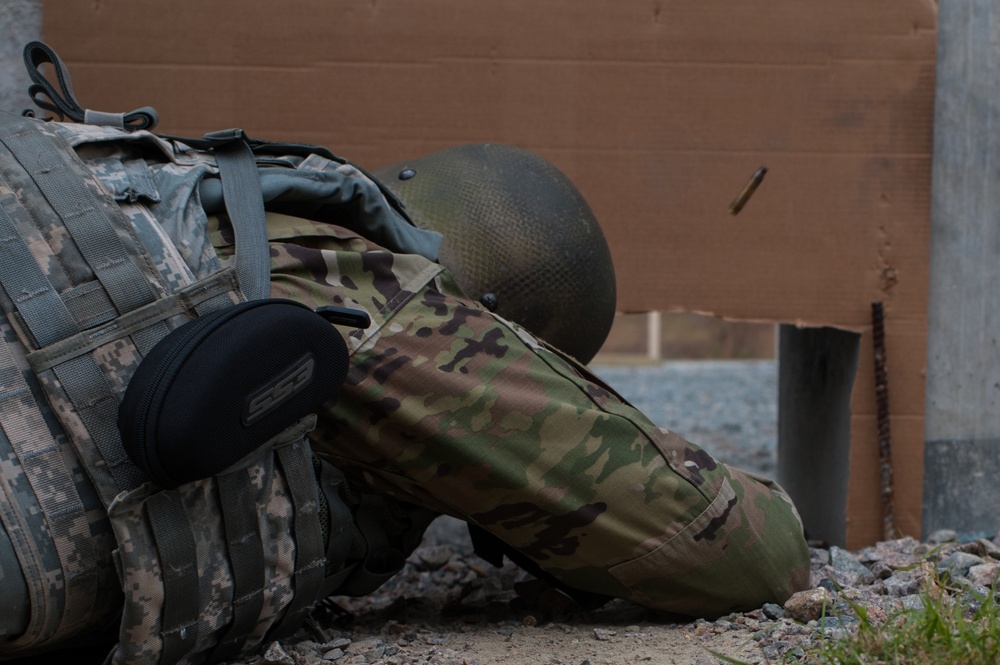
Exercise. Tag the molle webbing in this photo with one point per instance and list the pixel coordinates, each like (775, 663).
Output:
(45, 195)
(59, 193)
(87, 304)
(259, 577)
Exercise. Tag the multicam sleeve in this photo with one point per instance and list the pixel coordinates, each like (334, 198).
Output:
(453, 408)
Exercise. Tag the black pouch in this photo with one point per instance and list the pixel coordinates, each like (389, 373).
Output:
(217, 388)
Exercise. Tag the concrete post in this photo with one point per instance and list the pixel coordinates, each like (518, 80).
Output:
(962, 453)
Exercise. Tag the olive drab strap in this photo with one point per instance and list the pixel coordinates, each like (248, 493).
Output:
(246, 550)
(245, 205)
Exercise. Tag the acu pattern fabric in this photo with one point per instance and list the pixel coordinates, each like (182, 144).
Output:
(453, 408)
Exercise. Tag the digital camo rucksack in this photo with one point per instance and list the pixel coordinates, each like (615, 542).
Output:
(109, 285)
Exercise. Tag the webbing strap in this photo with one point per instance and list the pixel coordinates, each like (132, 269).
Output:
(246, 555)
(52, 487)
(43, 311)
(310, 562)
(85, 213)
(91, 218)
(179, 569)
(245, 207)
(96, 404)
(62, 101)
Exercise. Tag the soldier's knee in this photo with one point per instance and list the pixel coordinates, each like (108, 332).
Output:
(745, 549)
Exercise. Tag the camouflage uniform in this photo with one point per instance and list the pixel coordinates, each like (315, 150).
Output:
(453, 408)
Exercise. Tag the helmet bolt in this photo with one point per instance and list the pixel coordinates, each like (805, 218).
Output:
(490, 301)
(406, 174)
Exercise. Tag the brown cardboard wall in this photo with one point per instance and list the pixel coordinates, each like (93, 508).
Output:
(658, 111)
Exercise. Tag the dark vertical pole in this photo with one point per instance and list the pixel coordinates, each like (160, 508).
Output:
(882, 413)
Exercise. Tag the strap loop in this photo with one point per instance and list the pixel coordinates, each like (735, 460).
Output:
(48, 97)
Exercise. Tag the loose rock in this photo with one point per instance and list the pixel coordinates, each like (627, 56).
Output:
(276, 655)
(808, 605)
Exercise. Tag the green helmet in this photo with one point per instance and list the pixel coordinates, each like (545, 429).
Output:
(518, 236)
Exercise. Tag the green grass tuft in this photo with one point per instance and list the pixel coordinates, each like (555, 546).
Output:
(951, 626)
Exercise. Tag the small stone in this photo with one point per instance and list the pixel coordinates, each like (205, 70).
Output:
(843, 562)
(436, 639)
(276, 655)
(973, 547)
(914, 602)
(837, 621)
(959, 563)
(896, 587)
(373, 655)
(881, 570)
(306, 647)
(828, 584)
(984, 574)
(808, 605)
(775, 650)
(943, 536)
(433, 558)
(818, 556)
(604, 635)
(876, 615)
(333, 654)
(991, 549)
(773, 611)
(972, 599)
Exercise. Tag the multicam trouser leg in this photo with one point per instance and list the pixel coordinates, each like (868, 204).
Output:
(450, 407)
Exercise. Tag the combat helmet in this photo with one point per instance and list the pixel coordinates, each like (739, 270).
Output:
(517, 236)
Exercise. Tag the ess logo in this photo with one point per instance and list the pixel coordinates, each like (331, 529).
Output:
(291, 381)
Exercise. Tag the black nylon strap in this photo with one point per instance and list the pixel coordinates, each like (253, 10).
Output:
(246, 555)
(179, 569)
(310, 563)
